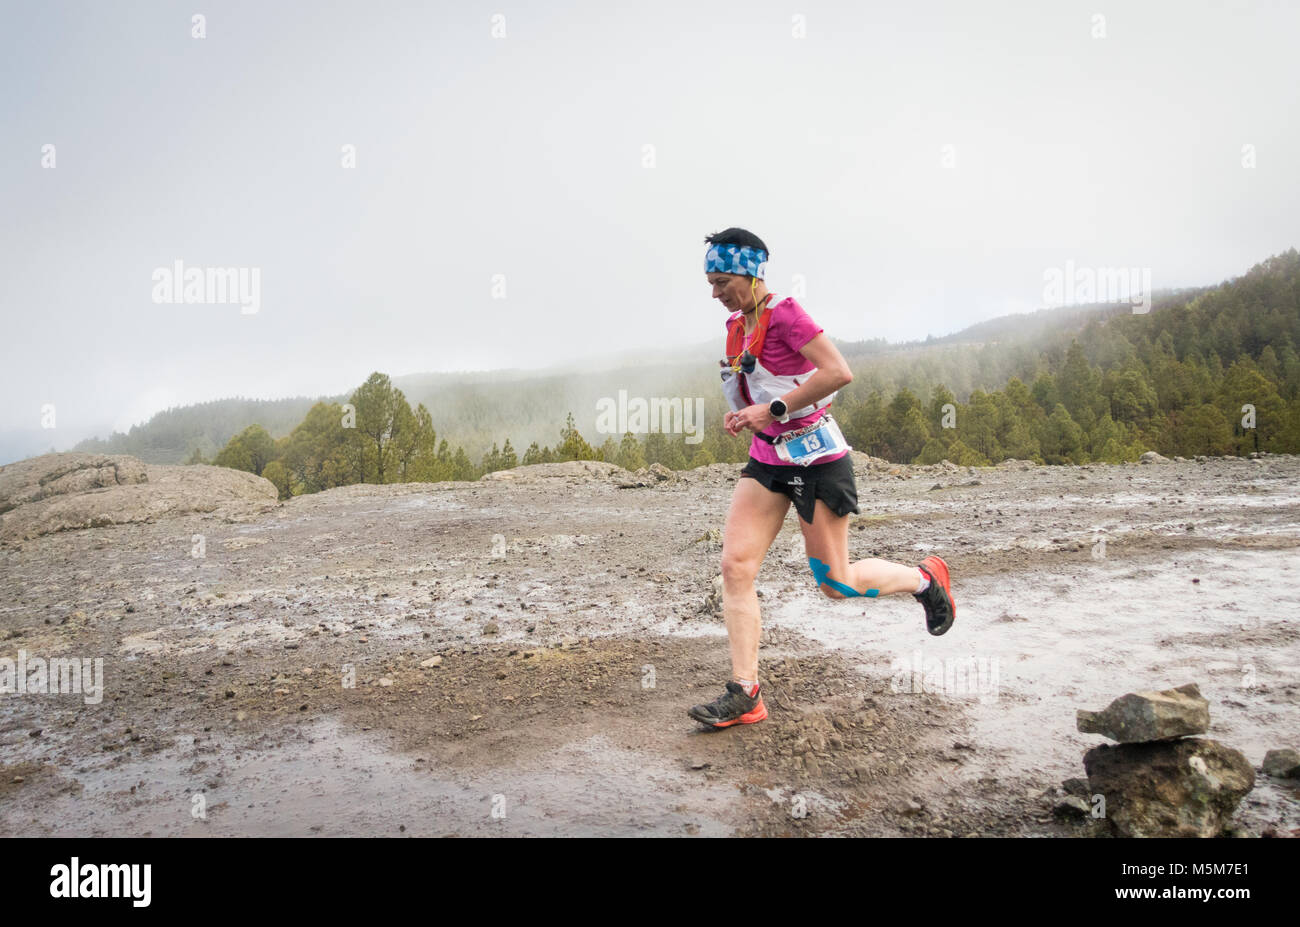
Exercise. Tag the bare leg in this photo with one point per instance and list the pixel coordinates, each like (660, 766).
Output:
(753, 522)
(827, 539)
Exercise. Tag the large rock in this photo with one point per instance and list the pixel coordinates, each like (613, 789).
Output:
(866, 462)
(650, 476)
(709, 473)
(49, 475)
(1151, 457)
(1143, 716)
(569, 469)
(63, 492)
(1282, 764)
(1183, 788)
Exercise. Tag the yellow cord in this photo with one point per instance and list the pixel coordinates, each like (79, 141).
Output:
(753, 289)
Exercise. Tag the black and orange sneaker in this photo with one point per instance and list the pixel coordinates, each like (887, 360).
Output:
(940, 609)
(732, 707)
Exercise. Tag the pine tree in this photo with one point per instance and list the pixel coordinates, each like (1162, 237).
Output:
(864, 428)
(1061, 438)
(933, 452)
(1045, 392)
(1245, 389)
(1020, 443)
(572, 445)
(940, 401)
(701, 458)
(1132, 400)
(461, 466)
(276, 473)
(379, 420)
(250, 450)
(1202, 430)
(630, 455)
(912, 436)
(977, 425)
(423, 464)
(664, 449)
(965, 456)
(906, 426)
(1079, 386)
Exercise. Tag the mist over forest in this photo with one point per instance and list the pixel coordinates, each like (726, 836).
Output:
(1069, 385)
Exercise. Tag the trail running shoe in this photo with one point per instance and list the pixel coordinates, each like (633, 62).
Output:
(940, 609)
(732, 707)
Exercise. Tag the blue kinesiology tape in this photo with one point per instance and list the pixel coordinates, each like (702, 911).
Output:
(819, 573)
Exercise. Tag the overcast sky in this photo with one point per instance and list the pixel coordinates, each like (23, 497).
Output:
(526, 156)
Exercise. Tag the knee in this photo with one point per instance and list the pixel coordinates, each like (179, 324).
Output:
(821, 575)
(738, 571)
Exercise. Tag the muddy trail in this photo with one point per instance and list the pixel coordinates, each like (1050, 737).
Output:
(515, 656)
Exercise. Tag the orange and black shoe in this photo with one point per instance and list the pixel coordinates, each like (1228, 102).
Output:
(732, 707)
(940, 609)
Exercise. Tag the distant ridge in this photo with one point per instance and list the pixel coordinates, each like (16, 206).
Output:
(476, 408)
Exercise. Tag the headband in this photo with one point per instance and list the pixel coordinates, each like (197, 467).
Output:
(734, 259)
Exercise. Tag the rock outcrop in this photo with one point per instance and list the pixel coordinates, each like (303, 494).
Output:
(653, 475)
(64, 492)
(569, 469)
(38, 478)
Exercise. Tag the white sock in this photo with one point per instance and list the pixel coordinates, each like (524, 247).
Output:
(925, 582)
(749, 685)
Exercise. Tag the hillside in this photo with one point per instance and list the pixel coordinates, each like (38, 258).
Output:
(476, 409)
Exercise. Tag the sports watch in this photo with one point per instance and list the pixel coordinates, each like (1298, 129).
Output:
(779, 410)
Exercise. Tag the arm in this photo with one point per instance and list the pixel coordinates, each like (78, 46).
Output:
(832, 374)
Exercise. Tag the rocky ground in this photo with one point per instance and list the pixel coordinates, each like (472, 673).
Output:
(516, 655)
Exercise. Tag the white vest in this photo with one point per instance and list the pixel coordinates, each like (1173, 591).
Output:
(764, 386)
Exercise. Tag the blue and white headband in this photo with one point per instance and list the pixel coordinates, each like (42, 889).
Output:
(734, 259)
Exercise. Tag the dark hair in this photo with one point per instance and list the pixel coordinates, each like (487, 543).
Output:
(739, 237)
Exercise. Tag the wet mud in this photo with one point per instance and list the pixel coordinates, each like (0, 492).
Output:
(517, 658)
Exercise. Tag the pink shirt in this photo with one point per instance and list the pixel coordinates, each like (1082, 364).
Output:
(789, 330)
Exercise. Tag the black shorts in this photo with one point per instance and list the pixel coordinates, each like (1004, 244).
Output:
(832, 482)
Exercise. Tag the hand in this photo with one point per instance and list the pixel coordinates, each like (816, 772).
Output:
(755, 418)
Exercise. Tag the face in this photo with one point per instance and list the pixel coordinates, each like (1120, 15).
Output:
(732, 290)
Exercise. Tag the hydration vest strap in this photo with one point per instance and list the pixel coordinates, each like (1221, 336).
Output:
(736, 334)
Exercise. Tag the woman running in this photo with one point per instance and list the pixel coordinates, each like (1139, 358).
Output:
(780, 376)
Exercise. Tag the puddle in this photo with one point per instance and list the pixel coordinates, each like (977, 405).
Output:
(321, 779)
(1068, 642)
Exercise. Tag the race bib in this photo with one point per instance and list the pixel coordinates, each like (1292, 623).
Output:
(806, 446)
